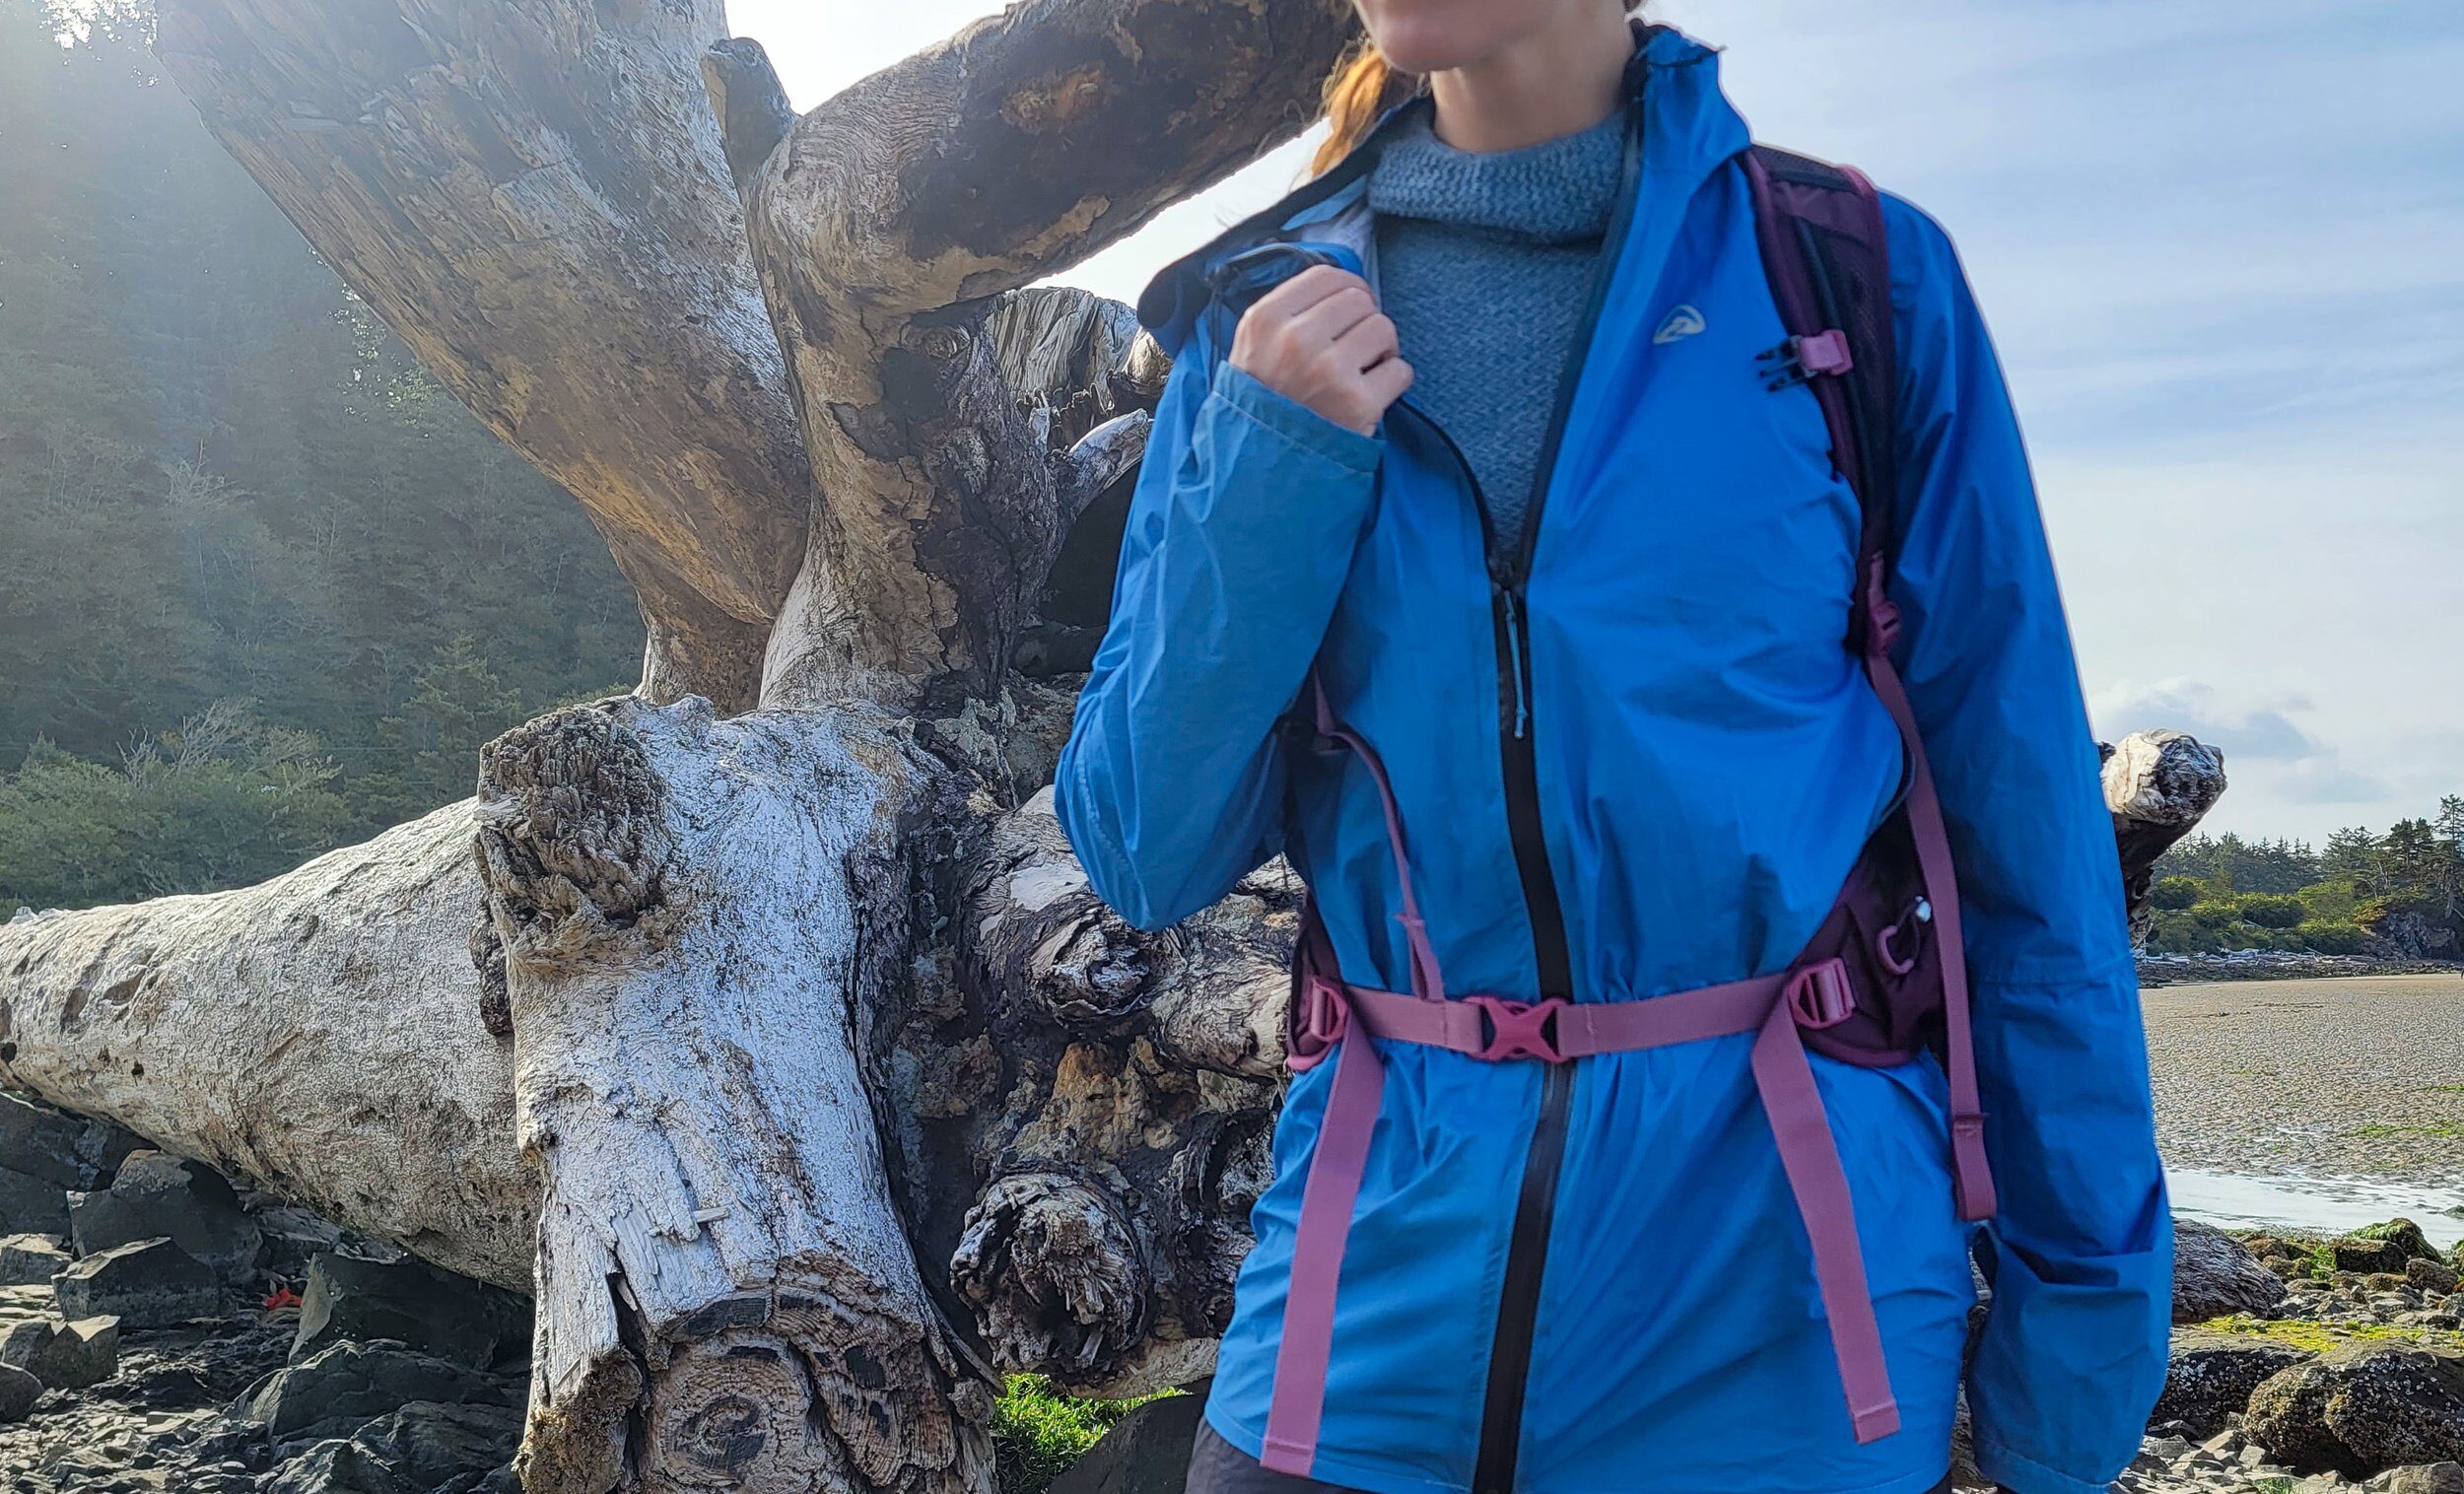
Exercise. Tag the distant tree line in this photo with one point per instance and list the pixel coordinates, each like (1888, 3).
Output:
(2401, 892)
(264, 587)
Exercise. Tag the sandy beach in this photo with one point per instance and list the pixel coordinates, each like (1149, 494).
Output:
(2358, 1077)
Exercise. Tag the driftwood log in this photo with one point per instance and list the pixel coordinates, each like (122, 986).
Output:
(760, 1023)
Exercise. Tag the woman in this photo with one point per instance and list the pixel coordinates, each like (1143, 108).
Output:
(1469, 459)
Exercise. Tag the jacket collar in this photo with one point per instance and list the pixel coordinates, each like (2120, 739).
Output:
(1690, 129)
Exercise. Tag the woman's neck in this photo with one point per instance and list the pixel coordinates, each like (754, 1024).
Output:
(1559, 79)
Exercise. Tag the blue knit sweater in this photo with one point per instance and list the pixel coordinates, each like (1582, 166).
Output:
(1484, 262)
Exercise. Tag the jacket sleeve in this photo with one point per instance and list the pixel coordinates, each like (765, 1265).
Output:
(1240, 533)
(2080, 1253)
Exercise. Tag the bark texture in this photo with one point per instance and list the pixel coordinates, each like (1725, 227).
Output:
(2159, 784)
(532, 192)
(885, 220)
(320, 1034)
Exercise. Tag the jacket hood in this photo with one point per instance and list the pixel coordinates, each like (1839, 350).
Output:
(1690, 129)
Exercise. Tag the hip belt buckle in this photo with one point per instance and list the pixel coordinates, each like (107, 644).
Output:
(1519, 1028)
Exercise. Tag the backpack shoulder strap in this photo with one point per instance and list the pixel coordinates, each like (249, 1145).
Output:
(1827, 255)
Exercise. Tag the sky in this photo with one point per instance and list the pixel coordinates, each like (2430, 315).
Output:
(2221, 246)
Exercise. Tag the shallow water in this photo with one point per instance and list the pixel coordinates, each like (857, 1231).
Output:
(2313, 1205)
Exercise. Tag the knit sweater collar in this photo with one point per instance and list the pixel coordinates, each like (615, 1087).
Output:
(1557, 191)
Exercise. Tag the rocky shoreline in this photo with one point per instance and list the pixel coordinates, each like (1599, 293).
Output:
(161, 1330)
(2278, 965)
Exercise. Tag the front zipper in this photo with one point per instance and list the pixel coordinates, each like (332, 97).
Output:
(1535, 1201)
(1518, 1303)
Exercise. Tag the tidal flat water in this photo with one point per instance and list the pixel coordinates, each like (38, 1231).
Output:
(2315, 1105)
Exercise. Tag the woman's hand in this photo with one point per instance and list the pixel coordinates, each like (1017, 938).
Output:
(1319, 339)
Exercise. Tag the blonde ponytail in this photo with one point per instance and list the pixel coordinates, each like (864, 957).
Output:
(1360, 89)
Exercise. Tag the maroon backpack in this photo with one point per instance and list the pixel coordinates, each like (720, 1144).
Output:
(1880, 980)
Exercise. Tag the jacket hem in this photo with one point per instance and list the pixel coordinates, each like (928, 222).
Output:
(1335, 1468)
(2022, 1474)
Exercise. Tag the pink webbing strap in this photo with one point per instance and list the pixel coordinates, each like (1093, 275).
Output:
(1772, 1006)
(1427, 981)
(1810, 1158)
(1335, 1167)
(1972, 1174)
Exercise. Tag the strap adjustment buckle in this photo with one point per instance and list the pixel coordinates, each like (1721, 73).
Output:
(1800, 360)
(1320, 1018)
(1820, 995)
(1519, 1028)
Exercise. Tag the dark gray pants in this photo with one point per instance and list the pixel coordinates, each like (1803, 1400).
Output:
(1218, 1467)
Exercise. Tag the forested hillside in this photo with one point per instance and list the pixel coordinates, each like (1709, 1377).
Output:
(2399, 894)
(264, 587)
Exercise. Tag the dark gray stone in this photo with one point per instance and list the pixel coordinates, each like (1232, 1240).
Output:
(427, 1307)
(29, 1202)
(19, 1392)
(1147, 1451)
(2432, 1276)
(146, 1284)
(64, 1151)
(2360, 1408)
(66, 1356)
(293, 1235)
(32, 1260)
(332, 1391)
(157, 1194)
(2214, 1275)
(2405, 1233)
(420, 1449)
(2365, 1256)
(2209, 1377)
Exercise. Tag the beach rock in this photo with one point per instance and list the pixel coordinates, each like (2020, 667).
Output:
(420, 1449)
(2214, 1275)
(19, 1392)
(2431, 1277)
(157, 1194)
(2361, 1408)
(146, 1283)
(2209, 1377)
(29, 1202)
(32, 1260)
(427, 1309)
(62, 1150)
(2428, 1479)
(333, 1390)
(294, 1237)
(2362, 1255)
(1147, 1451)
(66, 1356)
(2403, 1233)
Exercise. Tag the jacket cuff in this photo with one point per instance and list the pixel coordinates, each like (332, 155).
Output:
(1295, 422)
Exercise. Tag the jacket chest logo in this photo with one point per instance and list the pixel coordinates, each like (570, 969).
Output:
(1682, 322)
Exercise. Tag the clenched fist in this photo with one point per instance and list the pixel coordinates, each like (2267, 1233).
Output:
(1320, 339)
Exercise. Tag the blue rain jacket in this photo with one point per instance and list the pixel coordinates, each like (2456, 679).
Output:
(1706, 759)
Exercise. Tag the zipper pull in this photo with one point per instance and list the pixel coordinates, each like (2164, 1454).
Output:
(1514, 645)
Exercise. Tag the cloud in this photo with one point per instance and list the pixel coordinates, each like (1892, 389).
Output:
(2299, 768)
(2324, 781)
(2267, 733)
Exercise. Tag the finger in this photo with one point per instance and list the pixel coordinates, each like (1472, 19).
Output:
(1292, 296)
(1385, 383)
(1326, 323)
(1369, 341)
